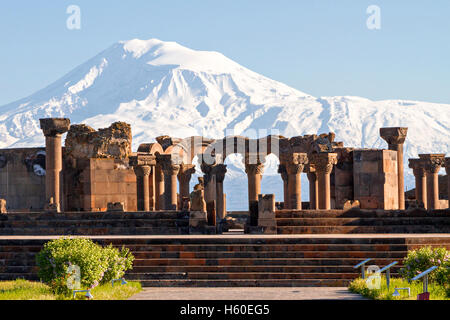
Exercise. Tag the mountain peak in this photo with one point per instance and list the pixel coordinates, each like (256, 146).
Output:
(159, 53)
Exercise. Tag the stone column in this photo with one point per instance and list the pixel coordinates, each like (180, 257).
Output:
(209, 181)
(323, 163)
(219, 171)
(152, 186)
(395, 137)
(447, 170)
(294, 168)
(53, 128)
(313, 187)
(284, 175)
(159, 187)
(184, 177)
(254, 173)
(142, 175)
(421, 181)
(170, 170)
(142, 165)
(432, 165)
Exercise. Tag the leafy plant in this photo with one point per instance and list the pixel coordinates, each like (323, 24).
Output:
(118, 262)
(417, 261)
(97, 265)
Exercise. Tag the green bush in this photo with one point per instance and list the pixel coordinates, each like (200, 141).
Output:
(118, 262)
(417, 261)
(97, 264)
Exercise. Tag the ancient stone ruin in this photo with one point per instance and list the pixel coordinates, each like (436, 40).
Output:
(97, 171)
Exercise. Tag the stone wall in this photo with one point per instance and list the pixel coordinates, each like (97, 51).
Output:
(96, 182)
(22, 178)
(375, 178)
(343, 177)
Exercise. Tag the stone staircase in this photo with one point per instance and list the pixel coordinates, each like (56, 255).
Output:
(362, 221)
(94, 223)
(236, 261)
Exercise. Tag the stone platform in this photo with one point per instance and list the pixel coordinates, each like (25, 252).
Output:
(354, 221)
(236, 260)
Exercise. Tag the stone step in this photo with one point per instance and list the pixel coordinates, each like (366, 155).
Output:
(238, 275)
(17, 262)
(273, 240)
(268, 247)
(248, 283)
(15, 276)
(363, 221)
(242, 242)
(360, 213)
(272, 254)
(240, 248)
(30, 216)
(93, 223)
(285, 269)
(280, 247)
(95, 231)
(363, 229)
(256, 261)
(19, 269)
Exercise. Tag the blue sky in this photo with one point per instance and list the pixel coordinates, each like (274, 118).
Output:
(321, 47)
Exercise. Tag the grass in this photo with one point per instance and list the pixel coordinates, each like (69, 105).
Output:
(437, 292)
(30, 290)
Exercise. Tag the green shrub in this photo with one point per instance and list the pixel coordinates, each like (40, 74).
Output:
(97, 264)
(118, 262)
(417, 261)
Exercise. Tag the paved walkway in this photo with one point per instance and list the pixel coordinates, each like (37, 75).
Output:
(307, 293)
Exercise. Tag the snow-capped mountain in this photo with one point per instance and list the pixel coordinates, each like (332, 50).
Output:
(163, 88)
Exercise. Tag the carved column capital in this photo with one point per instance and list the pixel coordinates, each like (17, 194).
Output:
(54, 126)
(432, 162)
(394, 136)
(293, 168)
(169, 165)
(418, 167)
(295, 162)
(324, 162)
(254, 169)
(253, 164)
(186, 171)
(170, 169)
(207, 172)
(142, 171)
(219, 170)
(447, 166)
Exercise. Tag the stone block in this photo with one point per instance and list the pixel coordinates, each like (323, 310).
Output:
(266, 210)
(260, 230)
(368, 202)
(267, 223)
(350, 204)
(375, 178)
(116, 207)
(103, 164)
(3, 206)
(198, 201)
(198, 223)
